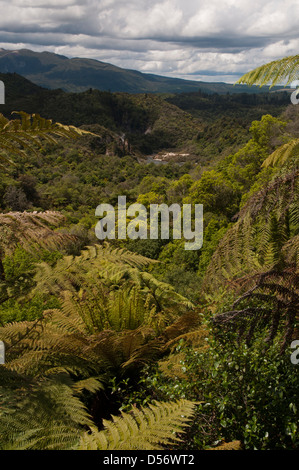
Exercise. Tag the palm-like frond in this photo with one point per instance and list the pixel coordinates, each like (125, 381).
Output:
(108, 289)
(273, 73)
(148, 428)
(282, 154)
(26, 134)
(101, 261)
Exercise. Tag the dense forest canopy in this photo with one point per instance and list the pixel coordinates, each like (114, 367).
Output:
(141, 344)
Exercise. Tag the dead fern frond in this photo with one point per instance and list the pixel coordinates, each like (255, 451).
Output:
(277, 306)
(33, 230)
(233, 445)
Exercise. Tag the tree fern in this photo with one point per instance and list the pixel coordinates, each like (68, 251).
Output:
(258, 260)
(255, 242)
(273, 73)
(108, 325)
(25, 134)
(63, 341)
(149, 428)
(108, 289)
(272, 301)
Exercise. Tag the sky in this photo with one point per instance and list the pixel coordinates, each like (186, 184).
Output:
(209, 40)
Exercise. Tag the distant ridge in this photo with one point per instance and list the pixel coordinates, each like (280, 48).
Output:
(56, 71)
(194, 126)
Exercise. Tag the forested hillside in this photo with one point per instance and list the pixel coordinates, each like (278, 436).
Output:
(179, 349)
(198, 125)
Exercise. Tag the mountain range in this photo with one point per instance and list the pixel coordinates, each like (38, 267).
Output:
(54, 71)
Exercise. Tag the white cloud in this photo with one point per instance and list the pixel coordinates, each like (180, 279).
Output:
(204, 39)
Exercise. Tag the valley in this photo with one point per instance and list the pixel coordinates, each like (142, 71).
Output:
(161, 341)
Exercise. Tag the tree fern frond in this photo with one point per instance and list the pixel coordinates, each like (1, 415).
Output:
(163, 294)
(28, 131)
(66, 320)
(291, 251)
(273, 73)
(91, 384)
(255, 242)
(115, 255)
(32, 231)
(45, 415)
(278, 305)
(282, 154)
(148, 428)
(70, 273)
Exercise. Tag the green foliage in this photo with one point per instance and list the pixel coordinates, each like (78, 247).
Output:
(14, 310)
(105, 343)
(17, 281)
(18, 268)
(213, 233)
(215, 192)
(254, 395)
(247, 393)
(266, 132)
